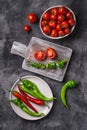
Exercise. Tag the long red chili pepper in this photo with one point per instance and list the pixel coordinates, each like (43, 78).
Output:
(19, 96)
(34, 100)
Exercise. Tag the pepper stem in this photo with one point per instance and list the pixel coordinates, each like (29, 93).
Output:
(77, 82)
(20, 79)
(47, 105)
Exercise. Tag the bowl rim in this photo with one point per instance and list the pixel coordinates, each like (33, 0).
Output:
(56, 7)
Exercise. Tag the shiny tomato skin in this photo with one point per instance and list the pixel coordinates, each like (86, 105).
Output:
(52, 24)
(53, 17)
(65, 24)
(61, 18)
(62, 10)
(27, 28)
(54, 33)
(58, 27)
(39, 55)
(67, 30)
(51, 53)
(46, 29)
(69, 15)
(44, 22)
(46, 16)
(71, 22)
(61, 33)
(54, 11)
(32, 18)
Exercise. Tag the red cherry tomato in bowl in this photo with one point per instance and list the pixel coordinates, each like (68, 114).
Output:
(39, 55)
(67, 30)
(65, 24)
(62, 10)
(71, 22)
(61, 18)
(32, 18)
(58, 27)
(44, 22)
(61, 33)
(46, 29)
(51, 53)
(46, 16)
(54, 33)
(54, 11)
(69, 15)
(52, 24)
(53, 17)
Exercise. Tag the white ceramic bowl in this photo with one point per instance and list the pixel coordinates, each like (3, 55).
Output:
(58, 37)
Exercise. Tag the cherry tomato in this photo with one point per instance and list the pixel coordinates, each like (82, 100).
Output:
(67, 30)
(52, 24)
(71, 22)
(58, 27)
(44, 22)
(27, 28)
(61, 33)
(64, 24)
(61, 17)
(53, 17)
(54, 33)
(62, 10)
(40, 55)
(46, 29)
(69, 15)
(51, 53)
(46, 16)
(32, 18)
(54, 11)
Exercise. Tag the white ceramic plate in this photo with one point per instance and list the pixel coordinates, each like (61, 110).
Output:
(43, 87)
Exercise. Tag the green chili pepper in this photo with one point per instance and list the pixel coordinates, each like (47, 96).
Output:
(31, 88)
(51, 65)
(25, 109)
(69, 84)
(37, 65)
(28, 90)
(61, 63)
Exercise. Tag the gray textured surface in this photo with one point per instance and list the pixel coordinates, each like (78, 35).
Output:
(12, 18)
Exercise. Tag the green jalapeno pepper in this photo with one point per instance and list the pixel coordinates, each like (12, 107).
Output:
(25, 109)
(31, 88)
(51, 65)
(61, 63)
(69, 84)
(37, 65)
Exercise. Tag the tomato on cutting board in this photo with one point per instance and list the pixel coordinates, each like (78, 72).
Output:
(39, 55)
(51, 53)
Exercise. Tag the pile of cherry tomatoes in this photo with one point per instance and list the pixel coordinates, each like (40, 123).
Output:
(57, 22)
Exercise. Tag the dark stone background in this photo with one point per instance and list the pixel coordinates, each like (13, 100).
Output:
(12, 19)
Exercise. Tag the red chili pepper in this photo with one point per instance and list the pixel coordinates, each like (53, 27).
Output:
(34, 100)
(19, 96)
